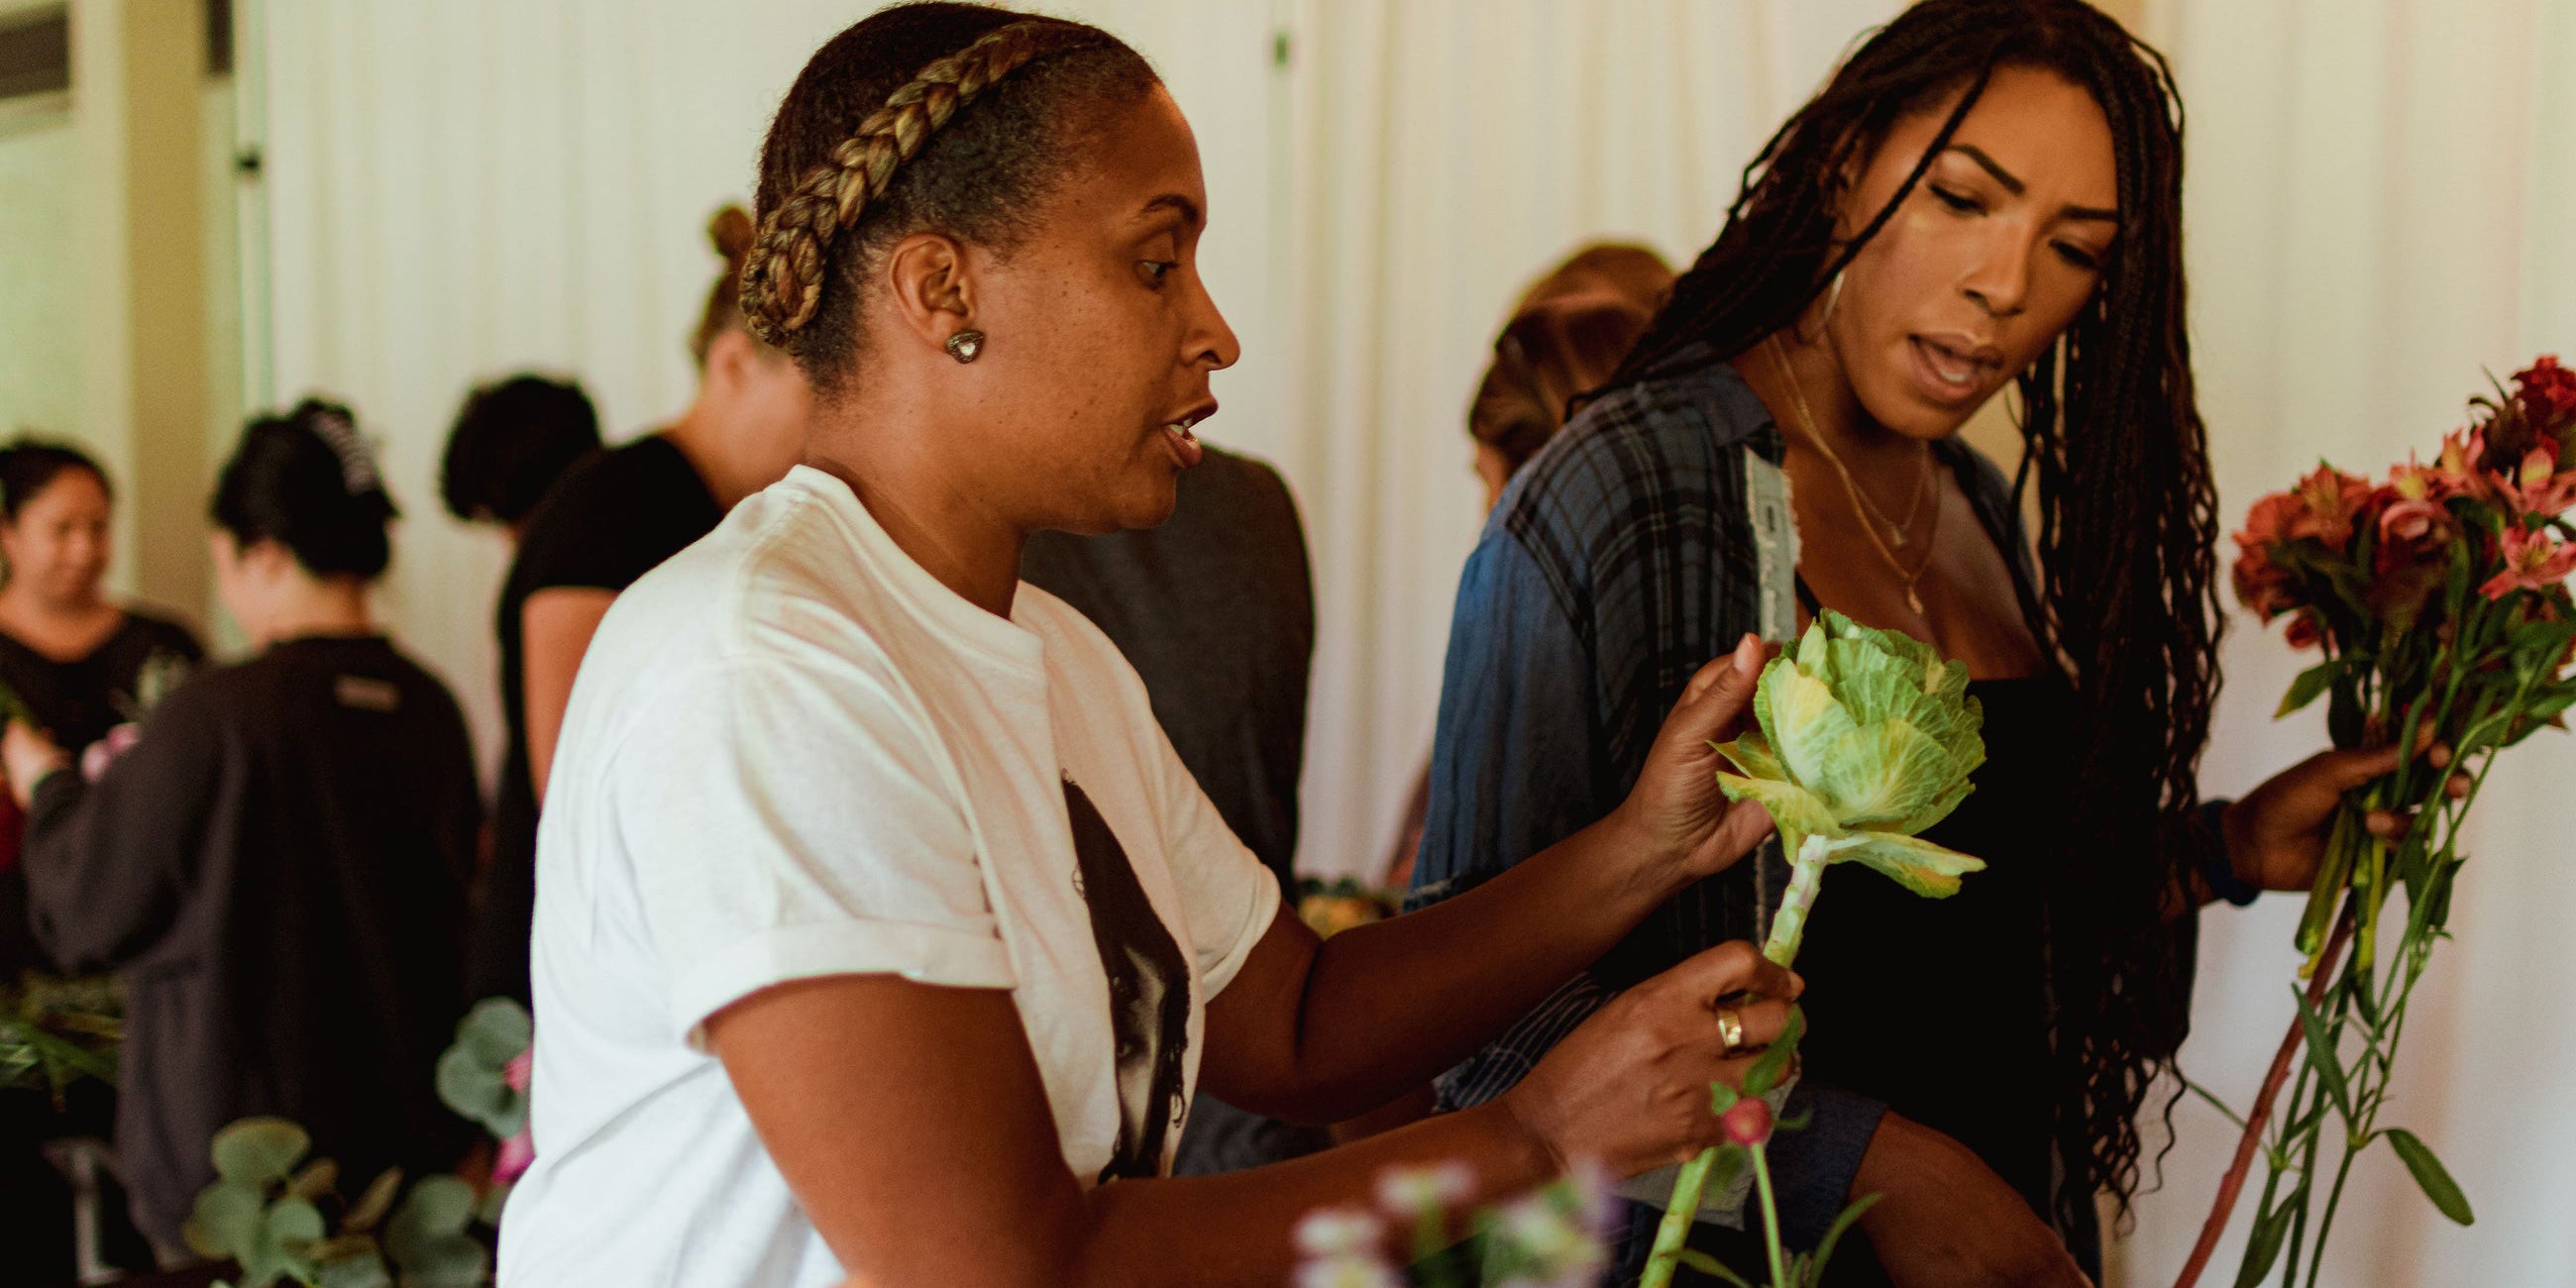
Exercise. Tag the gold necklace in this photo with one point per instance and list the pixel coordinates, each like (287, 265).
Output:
(1861, 504)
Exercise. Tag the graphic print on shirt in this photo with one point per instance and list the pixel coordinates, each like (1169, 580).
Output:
(1149, 991)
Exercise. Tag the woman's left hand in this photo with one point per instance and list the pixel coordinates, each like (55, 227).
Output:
(2276, 835)
(1676, 805)
(29, 756)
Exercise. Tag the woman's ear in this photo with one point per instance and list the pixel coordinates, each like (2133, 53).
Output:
(930, 288)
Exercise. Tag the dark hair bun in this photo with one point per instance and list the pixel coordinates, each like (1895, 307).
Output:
(511, 441)
(307, 481)
(730, 229)
(30, 465)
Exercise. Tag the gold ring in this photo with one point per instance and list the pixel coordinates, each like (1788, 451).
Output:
(1730, 1030)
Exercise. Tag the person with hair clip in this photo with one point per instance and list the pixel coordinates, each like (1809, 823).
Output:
(602, 526)
(277, 865)
(1987, 192)
(880, 932)
(511, 441)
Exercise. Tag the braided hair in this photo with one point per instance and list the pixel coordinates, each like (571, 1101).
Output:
(876, 141)
(2128, 513)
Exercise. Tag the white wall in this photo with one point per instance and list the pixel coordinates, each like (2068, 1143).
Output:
(2378, 208)
(39, 355)
(463, 189)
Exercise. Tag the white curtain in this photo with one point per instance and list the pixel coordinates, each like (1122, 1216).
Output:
(458, 190)
(2378, 216)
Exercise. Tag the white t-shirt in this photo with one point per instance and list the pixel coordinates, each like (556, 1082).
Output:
(793, 753)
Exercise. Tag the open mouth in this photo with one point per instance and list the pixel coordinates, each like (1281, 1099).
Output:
(1186, 450)
(1951, 373)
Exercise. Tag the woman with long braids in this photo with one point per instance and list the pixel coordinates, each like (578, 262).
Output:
(1988, 192)
(879, 930)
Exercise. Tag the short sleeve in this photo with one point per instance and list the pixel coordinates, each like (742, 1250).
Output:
(794, 820)
(1228, 898)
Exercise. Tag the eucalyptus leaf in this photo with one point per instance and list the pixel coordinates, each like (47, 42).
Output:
(447, 1261)
(366, 1270)
(317, 1178)
(371, 1207)
(496, 1031)
(2432, 1176)
(226, 1220)
(472, 1088)
(436, 1207)
(259, 1151)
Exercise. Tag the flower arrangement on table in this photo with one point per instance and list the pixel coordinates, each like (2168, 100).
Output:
(2437, 599)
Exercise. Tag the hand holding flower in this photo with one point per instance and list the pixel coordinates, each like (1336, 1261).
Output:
(2276, 836)
(1689, 827)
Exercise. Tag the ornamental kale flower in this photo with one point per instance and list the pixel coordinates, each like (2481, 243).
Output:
(1867, 737)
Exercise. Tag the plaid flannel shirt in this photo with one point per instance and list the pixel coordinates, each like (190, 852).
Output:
(1619, 561)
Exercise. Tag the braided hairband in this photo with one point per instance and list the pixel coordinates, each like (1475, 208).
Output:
(782, 277)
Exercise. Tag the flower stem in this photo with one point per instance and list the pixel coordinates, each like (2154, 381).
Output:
(2233, 1184)
(1806, 877)
(1770, 1218)
(1674, 1230)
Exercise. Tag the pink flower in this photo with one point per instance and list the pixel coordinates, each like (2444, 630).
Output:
(520, 1150)
(1749, 1122)
(2303, 631)
(2532, 561)
(96, 757)
(1409, 1192)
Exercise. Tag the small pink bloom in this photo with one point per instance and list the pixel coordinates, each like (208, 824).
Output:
(1749, 1122)
(1409, 1192)
(96, 757)
(2532, 561)
(514, 1075)
(516, 1154)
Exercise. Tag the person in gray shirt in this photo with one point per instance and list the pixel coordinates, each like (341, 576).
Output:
(1216, 610)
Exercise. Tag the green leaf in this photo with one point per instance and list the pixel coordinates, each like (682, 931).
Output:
(318, 1178)
(259, 1151)
(471, 1088)
(1721, 1098)
(1710, 1266)
(436, 1208)
(1774, 1064)
(489, 1210)
(2263, 1247)
(226, 1220)
(2322, 1055)
(2432, 1176)
(366, 1270)
(371, 1207)
(497, 1031)
(1920, 866)
(2311, 684)
(447, 1261)
(1834, 1233)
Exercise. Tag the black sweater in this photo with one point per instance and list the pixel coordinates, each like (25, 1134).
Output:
(277, 869)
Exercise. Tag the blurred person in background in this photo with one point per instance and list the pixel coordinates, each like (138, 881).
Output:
(1216, 611)
(1564, 339)
(277, 865)
(512, 440)
(604, 524)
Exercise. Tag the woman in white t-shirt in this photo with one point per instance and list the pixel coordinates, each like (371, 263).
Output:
(877, 925)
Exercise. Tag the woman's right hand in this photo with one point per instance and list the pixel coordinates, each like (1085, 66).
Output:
(1630, 1086)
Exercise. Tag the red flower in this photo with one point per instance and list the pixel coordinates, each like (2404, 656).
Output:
(2412, 556)
(2303, 631)
(2328, 499)
(2547, 393)
(2532, 561)
(2264, 587)
(1749, 1122)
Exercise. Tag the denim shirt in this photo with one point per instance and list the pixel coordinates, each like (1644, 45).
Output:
(1618, 562)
